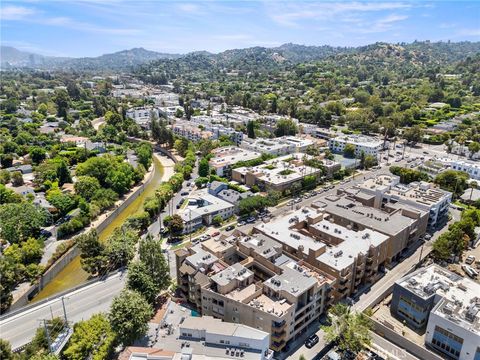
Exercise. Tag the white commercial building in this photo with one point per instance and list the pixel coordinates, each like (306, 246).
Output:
(225, 334)
(278, 146)
(471, 168)
(448, 304)
(367, 144)
(142, 116)
(225, 157)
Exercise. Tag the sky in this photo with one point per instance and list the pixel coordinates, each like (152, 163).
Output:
(93, 27)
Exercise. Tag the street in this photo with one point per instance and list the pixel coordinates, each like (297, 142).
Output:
(80, 304)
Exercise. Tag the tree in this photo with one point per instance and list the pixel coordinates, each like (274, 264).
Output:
(203, 168)
(129, 316)
(453, 181)
(62, 100)
(349, 151)
(179, 113)
(86, 187)
(409, 175)
(251, 129)
(91, 339)
(37, 154)
(217, 220)
(351, 331)
(17, 178)
(120, 246)
(92, 257)
(369, 161)
(43, 109)
(151, 254)
(174, 224)
(140, 280)
(413, 135)
(5, 350)
(8, 196)
(4, 176)
(473, 147)
(21, 221)
(181, 145)
(144, 153)
(309, 182)
(285, 127)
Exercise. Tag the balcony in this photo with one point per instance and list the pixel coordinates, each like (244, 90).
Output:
(278, 335)
(278, 345)
(278, 325)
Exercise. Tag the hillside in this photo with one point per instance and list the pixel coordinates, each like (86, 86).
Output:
(122, 60)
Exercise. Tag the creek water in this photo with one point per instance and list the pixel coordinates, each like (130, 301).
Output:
(73, 274)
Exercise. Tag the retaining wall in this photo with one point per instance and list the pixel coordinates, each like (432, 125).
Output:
(73, 252)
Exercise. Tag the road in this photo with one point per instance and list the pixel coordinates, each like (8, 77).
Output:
(80, 304)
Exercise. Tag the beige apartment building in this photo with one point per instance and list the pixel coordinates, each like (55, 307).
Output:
(254, 283)
(345, 240)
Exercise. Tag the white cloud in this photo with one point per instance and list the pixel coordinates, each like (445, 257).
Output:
(189, 8)
(13, 12)
(291, 14)
(469, 32)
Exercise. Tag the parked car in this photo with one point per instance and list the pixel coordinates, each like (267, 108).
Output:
(184, 193)
(216, 233)
(311, 341)
(230, 227)
(470, 271)
(470, 259)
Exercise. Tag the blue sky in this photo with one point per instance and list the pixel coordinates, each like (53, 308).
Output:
(95, 27)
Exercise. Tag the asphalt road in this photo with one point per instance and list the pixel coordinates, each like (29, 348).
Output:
(80, 304)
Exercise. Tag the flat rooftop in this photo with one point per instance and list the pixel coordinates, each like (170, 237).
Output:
(376, 219)
(282, 230)
(231, 155)
(234, 272)
(201, 257)
(354, 243)
(460, 297)
(294, 279)
(281, 170)
(262, 245)
(360, 140)
(202, 203)
(219, 327)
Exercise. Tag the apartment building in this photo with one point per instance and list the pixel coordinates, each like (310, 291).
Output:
(402, 224)
(190, 131)
(253, 283)
(218, 129)
(278, 174)
(446, 305)
(352, 257)
(278, 146)
(387, 189)
(470, 167)
(362, 143)
(142, 116)
(202, 207)
(224, 157)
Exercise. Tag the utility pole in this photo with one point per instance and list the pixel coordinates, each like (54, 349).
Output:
(64, 311)
(47, 334)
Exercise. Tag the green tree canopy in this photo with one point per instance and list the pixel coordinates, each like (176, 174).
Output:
(21, 221)
(129, 316)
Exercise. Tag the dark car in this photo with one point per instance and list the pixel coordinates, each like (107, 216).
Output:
(311, 341)
(230, 227)
(184, 193)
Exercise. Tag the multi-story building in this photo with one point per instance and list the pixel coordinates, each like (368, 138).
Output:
(224, 157)
(277, 174)
(190, 131)
(142, 116)
(387, 189)
(446, 305)
(207, 338)
(278, 146)
(367, 144)
(470, 167)
(253, 283)
(354, 257)
(202, 207)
